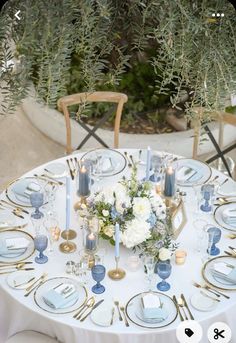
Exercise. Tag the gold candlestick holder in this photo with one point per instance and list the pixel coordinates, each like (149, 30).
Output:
(67, 246)
(117, 273)
(68, 234)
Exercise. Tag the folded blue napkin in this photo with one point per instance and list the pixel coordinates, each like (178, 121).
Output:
(24, 188)
(54, 299)
(154, 313)
(6, 250)
(231, 277)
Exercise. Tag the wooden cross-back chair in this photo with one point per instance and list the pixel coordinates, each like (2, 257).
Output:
(82, 98)
(222, 118)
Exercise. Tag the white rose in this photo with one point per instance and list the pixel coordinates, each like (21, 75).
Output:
(105, 213)
(141, 208)
(109, 230)
(164, 254)
(136, 231)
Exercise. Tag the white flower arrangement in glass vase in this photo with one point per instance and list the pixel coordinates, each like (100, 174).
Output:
(139, 210)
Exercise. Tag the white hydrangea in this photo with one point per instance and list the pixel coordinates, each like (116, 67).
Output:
(158, 205)
(109, 230)
(141, 208)
(136, 231)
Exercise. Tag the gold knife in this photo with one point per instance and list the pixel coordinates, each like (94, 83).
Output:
(178, 309)
(186, 305)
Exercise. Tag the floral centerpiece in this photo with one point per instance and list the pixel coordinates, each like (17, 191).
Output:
(141, 213)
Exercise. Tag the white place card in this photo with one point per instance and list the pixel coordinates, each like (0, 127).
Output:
(222, 268)
(16, 243)
(151, 301)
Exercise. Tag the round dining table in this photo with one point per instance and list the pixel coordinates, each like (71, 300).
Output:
(18, 313)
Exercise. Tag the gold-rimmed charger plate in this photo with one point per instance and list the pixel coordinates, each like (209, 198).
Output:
(210, 280)
(134, 303)
(218, 216)
(118, 160)
(13, 233)
(24, 202)
(52, 283)
(201, 167)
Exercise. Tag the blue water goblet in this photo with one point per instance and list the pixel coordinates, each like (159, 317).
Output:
(41, 243)
(164, 271)
(214, 238)
(36, 200)
(207, 194)
(98, 274)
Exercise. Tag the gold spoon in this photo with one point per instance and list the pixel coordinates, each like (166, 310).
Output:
(89, 304)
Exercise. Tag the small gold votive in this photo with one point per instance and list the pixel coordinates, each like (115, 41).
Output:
(180, 257)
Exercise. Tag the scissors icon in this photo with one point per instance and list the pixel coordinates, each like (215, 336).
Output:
(218, 334)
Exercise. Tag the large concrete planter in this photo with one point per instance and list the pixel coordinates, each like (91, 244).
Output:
(52, 124)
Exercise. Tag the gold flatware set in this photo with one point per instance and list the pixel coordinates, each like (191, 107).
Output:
(211, 290)
(88, 307)
(35, 284)
(183, 308)
(7, 268)
(232, 251)
(73, 165)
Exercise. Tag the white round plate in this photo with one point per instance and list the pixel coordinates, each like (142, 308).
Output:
(213, 280)
(115, 159)
(228, 188)
(218, 215)
(133, 307)
(8, 219)
(56, 170)
(23, 253)
(15, 191)
(102, 315)
(203, 172)
(19, 277)
(52, 283)
(202, 303)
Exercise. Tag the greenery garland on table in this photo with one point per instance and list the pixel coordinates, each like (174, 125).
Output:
(87, 45)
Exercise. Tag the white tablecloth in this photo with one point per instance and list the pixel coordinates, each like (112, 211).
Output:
(18, 313)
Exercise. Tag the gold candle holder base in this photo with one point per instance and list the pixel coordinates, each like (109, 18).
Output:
(67, 247)
(171, 204)
(68, 234)
(117, 273)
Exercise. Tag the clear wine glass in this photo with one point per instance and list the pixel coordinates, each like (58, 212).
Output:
(41, 243)
(98, 274)
(36, 200)
(149, 264)
(52, 228)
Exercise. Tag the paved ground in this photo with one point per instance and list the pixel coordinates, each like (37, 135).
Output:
(23, 147)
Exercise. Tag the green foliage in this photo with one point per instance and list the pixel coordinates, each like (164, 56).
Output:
(153, 50)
